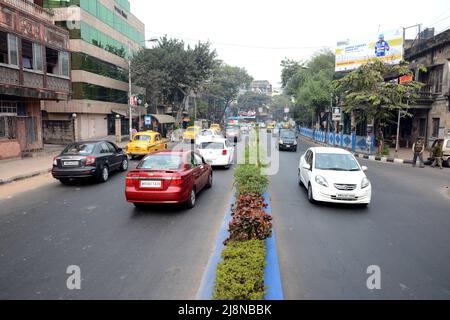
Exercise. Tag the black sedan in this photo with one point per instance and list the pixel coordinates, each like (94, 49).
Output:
(287, 140)
(93, 159)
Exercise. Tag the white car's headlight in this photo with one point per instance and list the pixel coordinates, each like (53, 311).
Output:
(295, 143)
(322, 181)
(365, 183)
(281, 141)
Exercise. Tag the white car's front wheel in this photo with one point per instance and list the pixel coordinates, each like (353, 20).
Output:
(310, 194)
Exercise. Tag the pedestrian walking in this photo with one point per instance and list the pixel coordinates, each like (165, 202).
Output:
(418, 149)
(437, 155)
(380, 142)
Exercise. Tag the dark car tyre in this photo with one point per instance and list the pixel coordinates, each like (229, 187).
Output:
(310, 194)
(210, 181)
(192, 199)
(124, 165)
(104, 174)
(448, 162)
(64, 181)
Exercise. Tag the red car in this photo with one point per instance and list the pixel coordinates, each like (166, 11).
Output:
(168, 177)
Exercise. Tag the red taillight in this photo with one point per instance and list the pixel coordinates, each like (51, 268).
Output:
(224, 152)
(90, 161)
(131, 177)
(177, 180)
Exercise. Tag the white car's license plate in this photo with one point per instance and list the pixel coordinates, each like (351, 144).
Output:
(151, 184)
(70, 163)
(345, 196)
(288, 146)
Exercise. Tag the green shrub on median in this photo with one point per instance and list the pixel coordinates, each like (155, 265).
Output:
(240, 274)
(249, 179)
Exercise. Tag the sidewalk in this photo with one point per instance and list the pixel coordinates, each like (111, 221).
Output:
(404, 155)
(37, 163)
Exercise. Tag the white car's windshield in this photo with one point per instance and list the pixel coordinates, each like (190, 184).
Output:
(212, 145)
(336, 162)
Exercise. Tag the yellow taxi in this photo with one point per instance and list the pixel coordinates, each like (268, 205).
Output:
(271, 126)
(146, 142)
(215, 127)
(191, 133)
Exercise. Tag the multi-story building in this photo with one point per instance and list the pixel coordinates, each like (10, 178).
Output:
(102, 34)
(34, 67)
(431, 113)
(261, 86)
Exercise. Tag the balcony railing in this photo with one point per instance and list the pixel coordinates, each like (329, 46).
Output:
(31, 8)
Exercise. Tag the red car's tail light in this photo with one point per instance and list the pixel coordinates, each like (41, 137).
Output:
(90, 161)
(224, 152)
(131, 177)
(177, 180)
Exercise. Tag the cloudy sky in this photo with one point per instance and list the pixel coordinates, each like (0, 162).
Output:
(258, 34)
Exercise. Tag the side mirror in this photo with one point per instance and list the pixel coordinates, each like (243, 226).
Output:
(364, 168)
(306, 166)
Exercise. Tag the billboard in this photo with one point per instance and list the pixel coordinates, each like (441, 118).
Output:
(386, 46)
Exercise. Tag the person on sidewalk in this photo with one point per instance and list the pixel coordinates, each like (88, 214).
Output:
(418, 149)
(437, 155)
(380, 142)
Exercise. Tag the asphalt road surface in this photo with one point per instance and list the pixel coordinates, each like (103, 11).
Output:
(124, 253)
(325, 250)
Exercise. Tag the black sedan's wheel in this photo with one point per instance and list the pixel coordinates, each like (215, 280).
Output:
(310, 194)
(64, 181)
(192, 199)
(448, 162)
(104, 174)
(124, 165)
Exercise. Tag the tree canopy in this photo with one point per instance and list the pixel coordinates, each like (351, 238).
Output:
(374, 92)
(171, 70)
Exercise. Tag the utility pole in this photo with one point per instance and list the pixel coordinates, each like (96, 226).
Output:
(129, 94)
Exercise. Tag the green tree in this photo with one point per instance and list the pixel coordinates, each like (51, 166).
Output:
(309, 83)
(172, 71)
(253, 100)
(223, 88)
(374, 93)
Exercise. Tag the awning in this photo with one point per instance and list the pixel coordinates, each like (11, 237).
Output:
(121, 112)
(163, 118)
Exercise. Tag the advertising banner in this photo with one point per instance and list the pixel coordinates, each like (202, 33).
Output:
(386, 46)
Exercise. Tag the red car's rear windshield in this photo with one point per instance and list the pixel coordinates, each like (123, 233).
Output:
(161, 162)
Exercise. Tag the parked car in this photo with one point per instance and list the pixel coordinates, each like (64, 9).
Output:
(146, 142)
(270, 126)
(287, 140)
(445, 151)
(94, 159)
(217, 152)
(168, 177)
(334, 175)
(233, 133)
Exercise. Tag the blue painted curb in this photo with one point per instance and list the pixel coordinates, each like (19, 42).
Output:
(206, 289)
(272, 275)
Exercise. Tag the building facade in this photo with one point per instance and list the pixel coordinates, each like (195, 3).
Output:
(34, 67)
(431, 113)
(102, 34)
(261, 86)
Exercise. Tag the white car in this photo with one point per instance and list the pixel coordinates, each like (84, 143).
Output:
(217, 152)
(334, 175)
(207, 135)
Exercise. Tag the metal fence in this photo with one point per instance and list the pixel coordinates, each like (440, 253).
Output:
(362, 144)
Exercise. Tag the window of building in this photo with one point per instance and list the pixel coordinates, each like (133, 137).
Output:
(31, 55)
(8, 49)
(435, 128)
(57, 62)
(435, 80)
(422, 127)
(8, 107)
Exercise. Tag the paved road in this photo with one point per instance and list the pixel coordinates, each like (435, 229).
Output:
(325, 250)
(123, 252)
